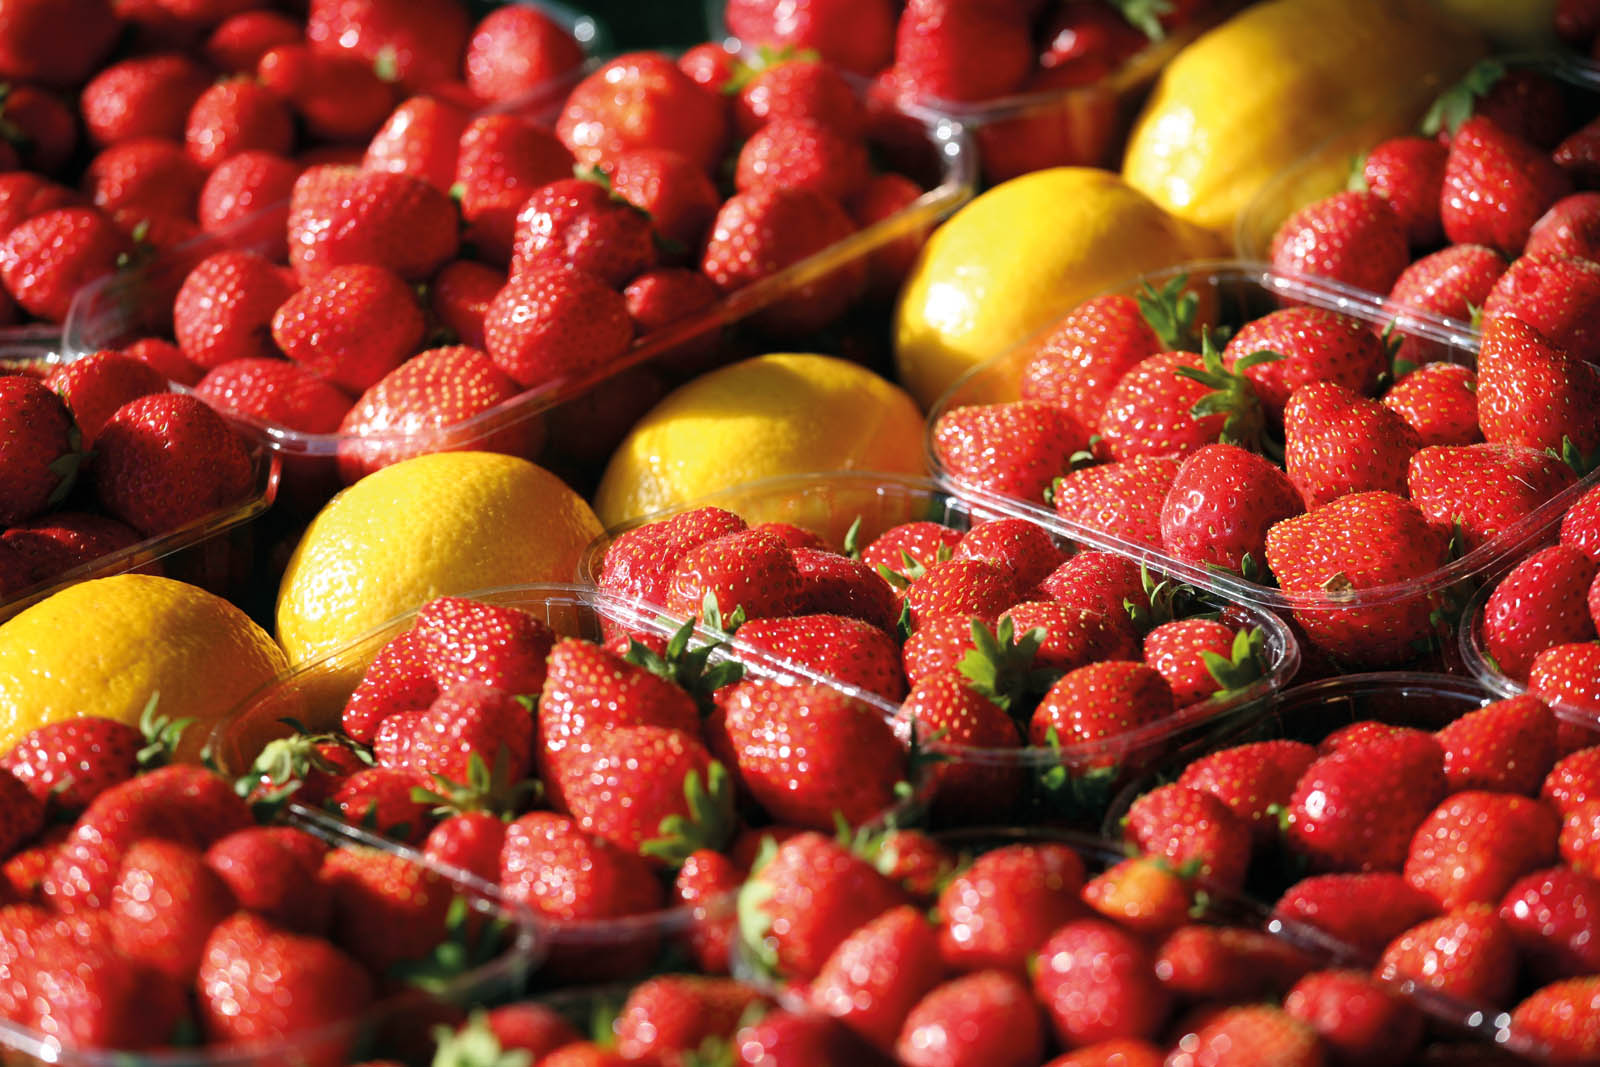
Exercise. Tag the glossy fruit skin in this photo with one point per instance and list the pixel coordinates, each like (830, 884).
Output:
(1221, 504)
(1188, 827)
(1483, 489)
(424, 39)
(1562, 1017)
(1468, 953)
(1534, 393)
(1473, 846)
(1541, 603)
(876, 975)
(340, 215)
(582, 224)
(1364, 910)
(1355, 238)
(1251, 779)
(851, 650)
(167, 459)
(1119, 498)
(943, 703)
(355, 324)
(1089, 707)
(224, 309)
(1496, 186)
(38, 433)
(1078, 364)
(1509, 746)
(1439, 402)
(642, 100)
(999, 910)
(553, 323)
(1408, 172)
(1337, 442)
(1016, 449)
(1098, 982)
(747, 569)
(1336, 818)
(857, 37)
(1557, 295)
(1317, 344)
(987, 1017)
(46, 258)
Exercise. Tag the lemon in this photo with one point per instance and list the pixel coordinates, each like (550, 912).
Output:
(435, 525)
(1018, 257)
(1259, 92)
(784, 413)
(104, 647)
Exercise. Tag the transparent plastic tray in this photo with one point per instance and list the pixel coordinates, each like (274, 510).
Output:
(399, 1018)
(1475, 655)
(1228, 290)
(828, 504)
(194, 552)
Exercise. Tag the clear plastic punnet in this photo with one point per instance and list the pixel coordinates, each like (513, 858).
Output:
(1481, 664)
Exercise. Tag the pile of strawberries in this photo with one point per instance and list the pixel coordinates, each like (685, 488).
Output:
(144, 908)
(1462, 859)
(99, 456)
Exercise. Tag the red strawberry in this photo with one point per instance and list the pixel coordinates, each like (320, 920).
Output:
(45, 126)
(1227, 963)
(958, 53)
(1252, 780)
(1552, 916)
(239, 41)
(747, 569)
(1542, 602)
(272, 871)
(1408, 172)
(1467, 953)
(516, 52)
(37, 48)
(1439, 402)
(1122, 499)
(589, 689)
(42, 449)
(1574, 779)
(70, 762)
(224, 310)
(708, 884)
(1088, 711)
(275, 391)
(1103, 582)
(962, 587)
(165, 460)
(398, 679)
(1475, 844)
(1253, 1033)
(1496, 186)
(469, 841)
(1317, 345)
(237, 115)
(944, 706)
(24, 195)
(802, 153)
(940, 645)
(582, 225)
(809, 754)
(419, 138)
(642, 100)
(677, 195)
(338, 97)
(419, 41)
(1534, 393)
(144, 96)
(164, 906)
(566, 875)
(1151, 412)
(1366, 911)
(1453, 282)
(23, 813)
(499, 161)
(1220, 506)
(144, 176)
(640, 561)
(986, 1018)
(1570, 228)
(1080, 361)
(1352, 237)
(926, 543)
(798, 88)
(95, 386)
(379, 799)
(552, 323)
(470, 721)
(1567, 675)
(1483, 489)
(1074, 637)
(858, 37)
(1356, 808)
(1509, 746)
(167, 358)
(340, 215)
(709, 65)
(1189, 828)
(758, 233)
(1359, 1020)
(1337, 443)
(1118, 1052)
(354, 324)
(468, 640)
(460, 296)
(1564, 1018)
(671, 1015)
(1098, 982)
(245, 201)
(889, 196)
(1557, 295)
(48, 257)
(876, 975)
(387, 908)
(258, 983)
(1142, 894)
(1022, 547)
(1015, 449)
(848, 650)
(45, 548)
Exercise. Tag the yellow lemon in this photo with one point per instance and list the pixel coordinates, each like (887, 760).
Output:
(1018, 257)
(430, 526)
(104, 647)
(783, 413)
(1257, 93)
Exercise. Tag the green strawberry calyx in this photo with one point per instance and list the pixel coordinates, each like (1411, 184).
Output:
(766, 57)
(1145, 15)
(1245, 664)
(469, 942)
(754, 923)
(487, 789)
(1232, 394)
(1456, 104)
(162, 734)
(1000, 663)
(474, 1045)
(699, 670)
(710, 823)
(1170, 311)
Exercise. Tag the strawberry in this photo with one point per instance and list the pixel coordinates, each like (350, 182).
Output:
(1542, 602)
(642, 100)
(1366, 911)
(275, 391)
(1360, 541)
(164, 906)
(1199, 961)
(1336, 817)
(708, 885)
(985, 1018)
(583, 225)
(1350, 237)
(1570, 228)
(165, 460)
(1103, 582)
(1142, 894)
(1557, 295)
(380, 799)
(1439, 402)
(589, 689)
(95, 386)
(70, 762)
(272, 871)
(1122, 499)
(398, 679)
(1476, 844)
(760, 232)
(1508, 746)
(1221, 504)
(1574, 779)
(1098, 982)
(1567, 675)
(238, 42)
(941, 645)
(857, 37)
(468, 841)
(237, 115)
(419, 42)
(710, 65)
(1579, 843)
(1316, 344)
(640, 561)
(798, 88)
(946, 712)
(470, 723)
(354, 325)
(42, 449)
(460, 297)
(36, 48)
(78, 990)
(1534, 393)
(145, 176)
(1496, 185)
(671, 1015)
(46, 129)
(1337, 443)
(144, 96)
(338, 97)
(1580, 527)
(24, 195)
(1483, 490)
(1088, 710)
(552, 323)
(258, 983)
(667, 297)
(1174, 403)
(340, 215)
(24, 813)
(468, 640)
(1359, 1020)
(1015, 449)
(516, 52)
(677, 195)
(747, 570)
(889, 196)
(387, 908)
(844, 649)
(47, 258)
(1453, 282)
(1467, 953)
(419, 138)
(167, 358)
(1252, 780)
(1252, 1033)
(1117, 1052)
(1022, 547)
(225, 307)
(45, 548)
(956, 53)
(925, 543)
(245, 201)
(803, 153)
(873, 979)
(1564, 1018)
(1408, 173)
(1074, 637)
(499, 161)
(1078, 363)
(807, 754)
(962, 587)
(1551, 914)
(1190, 829)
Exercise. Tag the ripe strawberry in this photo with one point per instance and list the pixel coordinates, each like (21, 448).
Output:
(1574, 779)
(1252, 1033)
(940, 645)
(552, 323)
(36, 47)
(1496, 186)
(1526, 102)
(809, 754)
(225, 307)
(1199, 961)
(1453, 282)
(1564, 1018)
(1509, 746)
(144, 176)
(1123, 499)
(956, 53)
(1567, 675)
(591, 689)
(45, 548)
(1557, 295)
(1570, 228)
(144, 96)
(165, 460)
(387, 908)
(354, 325)
(460, 297)
(1359, 1020)
(237, 115)
(1142, 894)
(337, 96)
(1119, 1052)
(798, 88)
(1152, 411)
(470, 721)
(1476, 844)
(70, 762)
(845, 649)
(272, 871)
(527, 1026)
(1076, 365)
(1534, 393)
(640, 561)
(1355, 810)
(926, 543)
(1439, 402)
(46, 258)
(1191, 829)
(1075, 636)
(944, 706)
(75, 987)
(671, 1015)
(24, 195)
(420, 42)
(583, 225)
(1015, 449)
(95, 386)
(878, 974)
(341, 214)
(803, 153)
(1408, 173)
(1103, 582)
(857, 37)
(1579, 153)
(22, 814)
(516, 52)
(1467, 953)
(1221, 504)
(1022, 547)
(499, 161)
(1483, 489)
(467, 640)
(419, 138)
(1252, 780)
(379, 799)
(239, 41)
(1542, 602)
(164, 906)
(1316, 344)
(1351, 237)
(245, 201)
(748, 570)
(708, 884)
(1366, 911)
(1088, 710)
(1579, 843)
(710, 65)
(258, 983)
(275, 391)
(642, 100)
(1098, 982)
(468, 841)
(1337, 443)
(1551, 914)
(677, 195)
(42, 449)
(984, 1018)
(963, 587)
(398, 679)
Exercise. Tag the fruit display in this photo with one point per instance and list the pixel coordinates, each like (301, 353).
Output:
(1037, 680)
(1129, 425)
